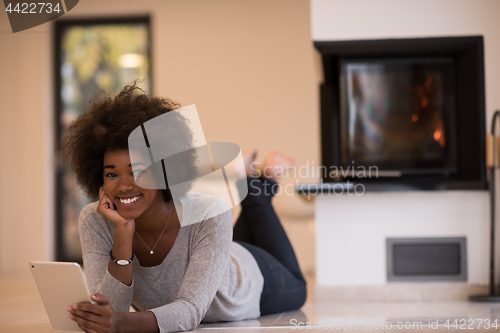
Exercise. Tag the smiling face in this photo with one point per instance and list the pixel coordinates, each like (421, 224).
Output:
(131, 201)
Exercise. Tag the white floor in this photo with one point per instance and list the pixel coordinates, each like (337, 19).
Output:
(375, 316)
(21, 310)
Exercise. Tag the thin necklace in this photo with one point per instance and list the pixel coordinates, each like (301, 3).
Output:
(151, 251)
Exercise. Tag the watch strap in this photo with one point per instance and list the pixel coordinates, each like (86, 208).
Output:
(121, 262)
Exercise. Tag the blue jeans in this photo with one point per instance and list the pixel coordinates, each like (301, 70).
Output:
(259, 230)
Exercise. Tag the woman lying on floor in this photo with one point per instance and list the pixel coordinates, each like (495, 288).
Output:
(136, 253)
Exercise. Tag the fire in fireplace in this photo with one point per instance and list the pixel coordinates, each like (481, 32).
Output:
(412, 108)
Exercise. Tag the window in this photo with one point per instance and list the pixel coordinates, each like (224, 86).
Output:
(91, 55)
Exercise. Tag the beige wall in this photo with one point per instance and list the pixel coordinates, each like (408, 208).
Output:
(24, 148)
(247, 65)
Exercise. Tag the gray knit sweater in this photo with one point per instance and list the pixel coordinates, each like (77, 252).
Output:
(205, 276)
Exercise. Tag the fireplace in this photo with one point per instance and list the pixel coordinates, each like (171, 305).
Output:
(411, 111)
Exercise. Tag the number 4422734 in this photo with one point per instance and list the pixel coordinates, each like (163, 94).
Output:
(33, 8)
(464, 324)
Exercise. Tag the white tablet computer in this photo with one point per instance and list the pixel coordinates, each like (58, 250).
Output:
(60, 285)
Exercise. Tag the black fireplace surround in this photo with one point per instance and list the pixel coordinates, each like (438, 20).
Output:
(411, 110)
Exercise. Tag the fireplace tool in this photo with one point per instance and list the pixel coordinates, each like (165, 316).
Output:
(491, 161)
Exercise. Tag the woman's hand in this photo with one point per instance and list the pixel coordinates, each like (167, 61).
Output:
(106, 208)
(96, 318)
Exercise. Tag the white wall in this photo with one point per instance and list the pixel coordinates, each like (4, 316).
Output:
(351, 230)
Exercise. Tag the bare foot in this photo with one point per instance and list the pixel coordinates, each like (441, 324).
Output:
(248, 157)
(276, 165)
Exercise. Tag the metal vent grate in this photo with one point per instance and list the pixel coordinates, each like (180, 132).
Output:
(426, 259)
